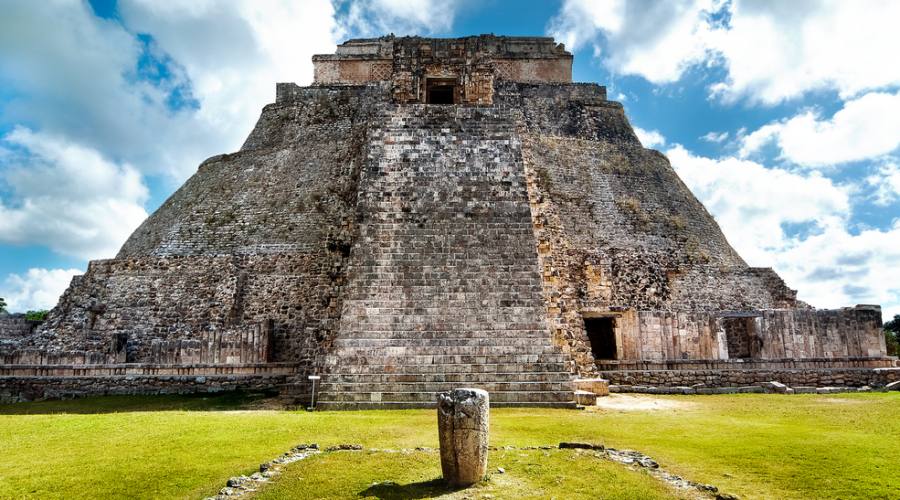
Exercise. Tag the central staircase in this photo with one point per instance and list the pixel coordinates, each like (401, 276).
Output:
(444, 289)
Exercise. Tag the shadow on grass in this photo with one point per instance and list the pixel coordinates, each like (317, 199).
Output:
(225, 401)
(423, 489)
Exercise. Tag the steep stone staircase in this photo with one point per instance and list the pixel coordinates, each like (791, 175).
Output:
(444, 289)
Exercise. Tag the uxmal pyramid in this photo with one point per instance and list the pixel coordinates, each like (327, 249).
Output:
(431, 214)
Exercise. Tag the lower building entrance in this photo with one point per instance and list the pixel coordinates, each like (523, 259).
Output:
(601, 333)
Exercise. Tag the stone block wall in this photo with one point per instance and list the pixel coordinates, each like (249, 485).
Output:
(777, 334)
(352, 231)
(255, 240)
(473, 63)
(826, 377)
(446, 248)
(15, 326)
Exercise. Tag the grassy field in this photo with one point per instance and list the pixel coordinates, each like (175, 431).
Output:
(756, 446)
(528, 474)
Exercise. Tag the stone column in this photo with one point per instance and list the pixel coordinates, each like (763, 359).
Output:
(463, 433)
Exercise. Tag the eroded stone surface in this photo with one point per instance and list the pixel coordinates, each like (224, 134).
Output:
(463, 424)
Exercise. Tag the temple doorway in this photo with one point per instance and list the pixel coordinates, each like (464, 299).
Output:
(602, 335)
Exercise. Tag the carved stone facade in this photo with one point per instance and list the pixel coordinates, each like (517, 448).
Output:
(467, 66)
(434, 213)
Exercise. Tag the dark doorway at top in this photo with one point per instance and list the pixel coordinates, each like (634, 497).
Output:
(601, 333)
(440, 91)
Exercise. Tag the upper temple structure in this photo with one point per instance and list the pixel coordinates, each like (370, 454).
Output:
(434, 213)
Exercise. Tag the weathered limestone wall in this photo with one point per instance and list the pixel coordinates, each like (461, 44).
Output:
(14, 326)
(826, 377)
(620, 235)
(400, 247)
(251, 248)
(23, 382)
(473, 63)
(781, 333)
(444, 274)
(336, 70)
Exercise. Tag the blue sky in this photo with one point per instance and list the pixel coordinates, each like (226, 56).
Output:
(782, 117)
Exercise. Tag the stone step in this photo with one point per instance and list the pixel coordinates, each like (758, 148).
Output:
(404, 405)
(514, 331)
(585, 398)
(412, 350)
(354, 369)
(598, 386)
(427, 397)
(435, 387)
(453, 378)
(448, 341)
(443, 359)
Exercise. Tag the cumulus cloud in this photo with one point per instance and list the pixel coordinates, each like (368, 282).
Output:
(657, 40)
(798, 223)
(771, 50)
(883, 185)
(67, 196)
(715, 137)
(850, 135)
(750, 200)
(231, 54)
(402, 17)
(36, 289)
(650, 138)
(77, 76)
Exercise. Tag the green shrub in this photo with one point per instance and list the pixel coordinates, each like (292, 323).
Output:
(37, 315)
(892, 336)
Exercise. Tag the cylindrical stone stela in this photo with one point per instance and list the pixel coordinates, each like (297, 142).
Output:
(463, 434)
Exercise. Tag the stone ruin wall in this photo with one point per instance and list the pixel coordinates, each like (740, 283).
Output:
(283, 288)
(15, 326)
(474, 63)
(250, 260)
(244, 263)
(620, 235)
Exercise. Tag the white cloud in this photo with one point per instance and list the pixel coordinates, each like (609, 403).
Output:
(830, 265)
(232, 54)
(864, 128)
(37, 289)
(657, 40)
(776, 50)
(838, 267)
(67, 196)
(754, 202)
(74, 184)
(649, 138)
(715, 137)
(402, 17)
(772, 50)
(74, 75)
(884, 184)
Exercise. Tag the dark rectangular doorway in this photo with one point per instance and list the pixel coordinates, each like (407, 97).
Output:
(602, 335)
(440, 91)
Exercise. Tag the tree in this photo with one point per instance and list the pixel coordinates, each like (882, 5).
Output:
(36, 315)
(892, 335)
(2, 305)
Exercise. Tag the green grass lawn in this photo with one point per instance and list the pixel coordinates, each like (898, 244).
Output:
(531, 474)
(756, 446)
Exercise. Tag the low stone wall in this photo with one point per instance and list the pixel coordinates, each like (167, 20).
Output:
(15, 326)
(830, 377)
(748, 364)
(39, 382)
(54, 358)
